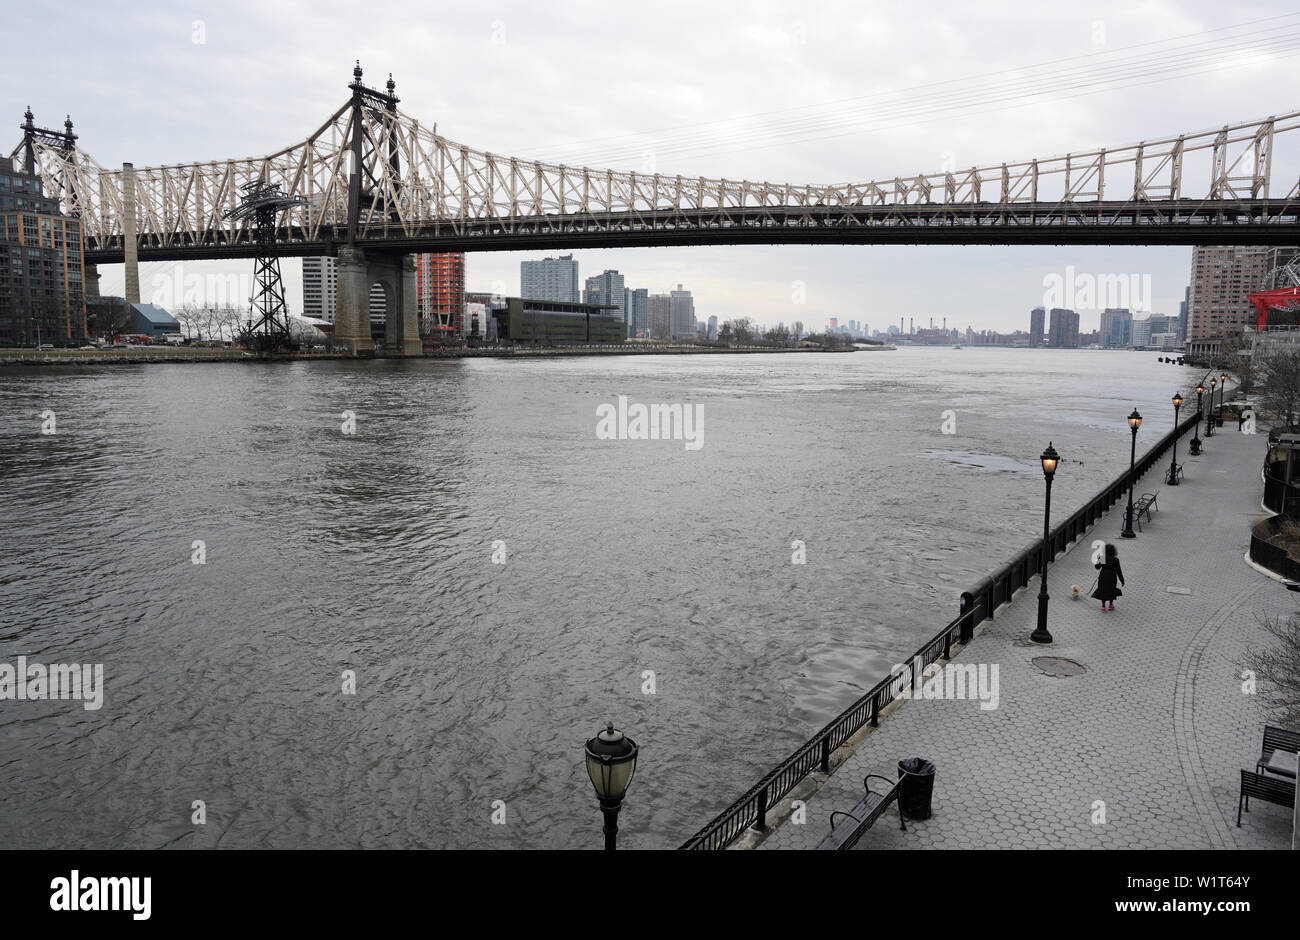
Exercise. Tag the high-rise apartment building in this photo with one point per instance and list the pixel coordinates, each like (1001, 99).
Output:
(606, 288)
(682, 314)
(42, 296)
(1036, 317)
(661, 316)
(1222, 276)
(554, 279)
(440, 289)
(1063, 329)
(713, 327)
(637, 307)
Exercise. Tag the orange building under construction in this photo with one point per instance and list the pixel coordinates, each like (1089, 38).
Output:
(440, 285)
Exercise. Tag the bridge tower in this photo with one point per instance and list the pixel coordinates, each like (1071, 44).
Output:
(375, 168)
(66, 141)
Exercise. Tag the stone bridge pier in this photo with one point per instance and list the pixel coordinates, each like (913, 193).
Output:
(356, 271)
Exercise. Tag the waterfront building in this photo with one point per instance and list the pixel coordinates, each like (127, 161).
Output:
(151, 320)
(320, 285)
(1140, 333)
(553, 279)
(440, 289)
(1063, 329)
(1036, 317)
(682, 315)
(550, 323)
(42, 297)
(1222, 276)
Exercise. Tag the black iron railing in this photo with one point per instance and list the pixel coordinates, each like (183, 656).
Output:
(976, 605)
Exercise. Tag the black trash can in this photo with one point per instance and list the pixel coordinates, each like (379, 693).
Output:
(917, 775)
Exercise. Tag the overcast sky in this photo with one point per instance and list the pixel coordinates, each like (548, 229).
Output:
(797, 91)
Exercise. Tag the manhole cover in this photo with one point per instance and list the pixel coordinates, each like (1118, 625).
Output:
(1058, 666)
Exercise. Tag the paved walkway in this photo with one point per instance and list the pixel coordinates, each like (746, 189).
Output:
(1156, 728)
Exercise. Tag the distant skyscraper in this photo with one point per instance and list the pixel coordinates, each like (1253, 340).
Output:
(637, 305)
(1116, 326)
(550, 279)
(683, 314)
(1063, 329)
(1140, 334)
(661, 316)
(605, 288)
(1036, 327)
(713, 327)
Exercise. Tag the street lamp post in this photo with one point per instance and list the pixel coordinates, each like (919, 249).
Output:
(1195, 446)
(1223, 387)
(1173, 461)
(1134, 422)
(611, 762)
(1050, 459)
(1209, 412)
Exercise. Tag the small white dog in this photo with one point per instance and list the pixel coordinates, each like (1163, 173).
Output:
(1075, 591)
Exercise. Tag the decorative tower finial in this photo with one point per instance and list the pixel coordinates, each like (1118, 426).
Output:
(28, 114)
(356, 72)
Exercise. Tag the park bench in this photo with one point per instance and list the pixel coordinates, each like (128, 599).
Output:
(863, 816)
(1276, 739)
(1144, 504)
(1268, 789)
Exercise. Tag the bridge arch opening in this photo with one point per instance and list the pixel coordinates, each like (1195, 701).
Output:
(381, 299)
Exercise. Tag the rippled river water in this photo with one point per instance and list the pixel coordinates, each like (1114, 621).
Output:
(477, 682)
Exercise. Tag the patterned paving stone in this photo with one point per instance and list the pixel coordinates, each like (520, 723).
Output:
(1149, 738)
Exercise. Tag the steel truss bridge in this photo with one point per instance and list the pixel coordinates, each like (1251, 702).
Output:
(374, 178)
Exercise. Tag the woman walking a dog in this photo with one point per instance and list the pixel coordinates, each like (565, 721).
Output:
(1111, 573)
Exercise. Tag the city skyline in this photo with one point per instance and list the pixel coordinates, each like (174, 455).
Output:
(217, 56)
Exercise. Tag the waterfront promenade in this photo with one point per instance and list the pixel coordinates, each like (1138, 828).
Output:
(1153, 732)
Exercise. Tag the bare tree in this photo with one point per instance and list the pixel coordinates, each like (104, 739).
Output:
(1235, 356)
(1279, 372)
(190, 317)
(112, 316)
(1277, 669)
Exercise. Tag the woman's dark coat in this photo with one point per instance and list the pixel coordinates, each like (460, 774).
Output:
(1110, 573)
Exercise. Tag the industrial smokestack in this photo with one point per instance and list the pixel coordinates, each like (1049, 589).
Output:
(911, 325)
(132, 289)
(945, 323)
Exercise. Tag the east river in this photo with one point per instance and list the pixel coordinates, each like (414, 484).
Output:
(499, 579)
